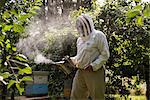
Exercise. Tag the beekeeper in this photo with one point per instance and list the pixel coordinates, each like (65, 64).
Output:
(92, 54)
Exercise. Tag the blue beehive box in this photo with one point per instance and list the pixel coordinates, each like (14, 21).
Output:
(36, 89)
(39, 85)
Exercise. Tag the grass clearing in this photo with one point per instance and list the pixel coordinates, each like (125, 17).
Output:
(130, 97)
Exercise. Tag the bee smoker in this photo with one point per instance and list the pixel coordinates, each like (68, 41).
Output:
(67, 66)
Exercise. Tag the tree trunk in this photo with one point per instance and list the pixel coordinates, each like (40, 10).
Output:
(13, 93)
(4, 92)
(147, 79)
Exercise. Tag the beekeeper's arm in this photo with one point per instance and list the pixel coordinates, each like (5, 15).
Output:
(104, 53)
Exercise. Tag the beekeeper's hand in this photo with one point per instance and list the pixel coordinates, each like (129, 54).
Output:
(74, 60)
(88, 68)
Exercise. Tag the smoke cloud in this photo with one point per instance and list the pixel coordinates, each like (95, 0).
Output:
(39, 33)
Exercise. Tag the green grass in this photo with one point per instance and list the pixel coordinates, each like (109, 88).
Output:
(140, 97)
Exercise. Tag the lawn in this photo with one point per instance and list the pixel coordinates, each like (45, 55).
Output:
(140, 97)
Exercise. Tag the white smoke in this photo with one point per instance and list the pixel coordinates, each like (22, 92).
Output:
(41, 59)
(37, 41)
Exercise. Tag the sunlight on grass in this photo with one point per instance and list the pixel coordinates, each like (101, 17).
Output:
(142, 97)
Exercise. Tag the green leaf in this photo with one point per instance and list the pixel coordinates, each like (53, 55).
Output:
(6, 15)
(6, 75)
(36, 8)
(1, 44)
(132, 13)
(13, 11)
(33, 12)
(18, 28)
(7, 41)
(20, 89)
(137, 0)
(7, 28)
(14, 48)
(38, 0)
(147, 11)
(7, 57)
(21, 55)
(26, 70)
(134, 78)
(137, 7)
(21, 58)
(2, 37)
(23, 17)
(27, 78)
(139, 20)
(116, 65)
(8, 46)
(126, 63)
(11, 82)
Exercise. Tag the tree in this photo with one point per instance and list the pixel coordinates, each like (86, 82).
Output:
(14, 66)
(129, 42)
(140, 15)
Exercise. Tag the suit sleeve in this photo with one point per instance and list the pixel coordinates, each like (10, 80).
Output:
(103, 50)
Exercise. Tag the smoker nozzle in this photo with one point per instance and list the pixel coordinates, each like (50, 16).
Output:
(65, 65)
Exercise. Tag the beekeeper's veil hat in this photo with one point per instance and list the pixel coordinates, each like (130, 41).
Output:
(85, 25)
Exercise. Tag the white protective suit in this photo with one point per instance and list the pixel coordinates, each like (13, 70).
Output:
(92, 49)
(92, 46)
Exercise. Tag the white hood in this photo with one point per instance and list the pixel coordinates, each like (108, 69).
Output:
(86, 25)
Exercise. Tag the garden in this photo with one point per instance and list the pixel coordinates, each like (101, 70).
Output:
(38, 35)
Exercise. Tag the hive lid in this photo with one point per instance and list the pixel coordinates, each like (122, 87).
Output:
(40, 72)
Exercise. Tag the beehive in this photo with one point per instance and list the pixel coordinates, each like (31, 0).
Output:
(39, 85)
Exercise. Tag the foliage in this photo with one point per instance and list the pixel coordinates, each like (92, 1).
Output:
(14, 68)
(93, 10)
(140, 15)
(128, 42)
(117, 97)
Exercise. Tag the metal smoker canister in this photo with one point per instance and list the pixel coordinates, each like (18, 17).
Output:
(68, 68)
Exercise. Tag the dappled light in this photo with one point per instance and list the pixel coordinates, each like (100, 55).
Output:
(39, 46)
